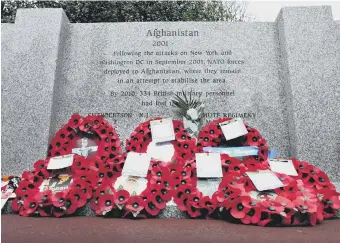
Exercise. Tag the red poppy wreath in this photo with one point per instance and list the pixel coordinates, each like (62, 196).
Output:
(190, 199)
(41, 193)
(315, 178)
(211, 135)
(184, 145)
(295, 203)
(111, 201)
(89, 136)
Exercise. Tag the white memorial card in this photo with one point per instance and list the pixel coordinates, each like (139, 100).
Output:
(233, 128)
(60, 162)
(162, 130)
(265, 180)
(6, 195)
(208, 165)
(136, 164)
(208, 187)
(283, 166)
(134, 185)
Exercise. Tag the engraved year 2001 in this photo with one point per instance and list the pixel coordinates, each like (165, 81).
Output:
(160, 43)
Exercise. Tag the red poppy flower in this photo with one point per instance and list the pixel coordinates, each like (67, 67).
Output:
(193, 210)
(321, 178)
(43, 173)
(330, 198)
(263, 153)
(104, 132)
(44, 198)
(181, 199)
(208, 203)
(285, 202)
(58, 151)
(188, 189)
(23, 188)
(182, 136)
(17, 204)
(121, 197)
(117, 163)
(234, 179)
(285, 179)
(64, 133)
(165, 193)
(150, 206)
(27, 175)
(177, 125)
(214, 131)
(182, 153)
(70, 205)
(271, 206)
(97, 121)
(159, 172)
(238, 209)
(75, 121)
(159, 201)
(253, 139)
(78, 197)
(104, 172)
(85, 125)
(230, 194)
(58, 143)
(30, 205)
(184, 172)
(39, 165)
(135, 204)
(300, 166)
(59, 199)
(79, 163)
(307, 192)
(250, 162)
(305, 205)
(253, 216)
(106, 203)
(94, 204)
(226, 160)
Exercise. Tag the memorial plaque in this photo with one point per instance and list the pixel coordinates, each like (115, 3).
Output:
(130, 71)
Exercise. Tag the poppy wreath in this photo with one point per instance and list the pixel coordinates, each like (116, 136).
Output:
(119, 203)
(295, 203)
(184, 144)
(95, 127)
(189, 199)
(211, 135)
(31, 201)
(318, 179)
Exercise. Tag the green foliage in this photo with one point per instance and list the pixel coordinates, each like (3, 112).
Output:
(141, 11)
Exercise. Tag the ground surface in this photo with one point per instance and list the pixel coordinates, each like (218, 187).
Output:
(16, 229)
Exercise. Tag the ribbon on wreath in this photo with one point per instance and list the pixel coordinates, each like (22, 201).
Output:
(240, 151)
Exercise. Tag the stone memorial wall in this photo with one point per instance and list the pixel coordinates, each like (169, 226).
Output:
(280, 77)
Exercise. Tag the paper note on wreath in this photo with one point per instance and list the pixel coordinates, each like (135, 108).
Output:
(7, 195)
(208, 165)
(136, 164)
(233, 128)
(134, 185)
(56, 184)
(162, 130)
(60, 162)
(208, 186)
(283, 166)
(265, 180)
